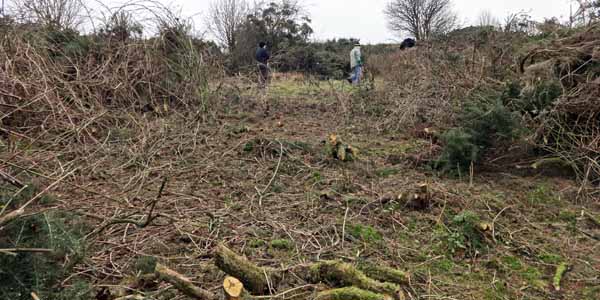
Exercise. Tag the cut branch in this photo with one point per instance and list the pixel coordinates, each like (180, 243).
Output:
(10, 179)
(183, 284)
(140, 224)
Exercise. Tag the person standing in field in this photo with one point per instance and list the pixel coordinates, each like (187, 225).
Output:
(356, 64)
(262, 57)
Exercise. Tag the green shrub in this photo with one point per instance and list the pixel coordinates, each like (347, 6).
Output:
(512, 91)
(27, 272)
(537, 99)
(488, 121)
(66, 43)
(465, 234)
(482, 124)
(80, 290)
(459, 150)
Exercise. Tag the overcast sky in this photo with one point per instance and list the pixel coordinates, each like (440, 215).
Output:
(364, 18)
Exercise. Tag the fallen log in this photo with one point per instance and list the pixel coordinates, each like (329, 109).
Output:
(385, 274)
(350, 293)
(256, 279)
(345, 275)
(335, 273)
(182, 283)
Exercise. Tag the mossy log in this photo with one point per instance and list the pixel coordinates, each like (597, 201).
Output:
(344, 275)
(253, 277)
(350, 293)
(335, 273)
(385, 274)
(183, 284)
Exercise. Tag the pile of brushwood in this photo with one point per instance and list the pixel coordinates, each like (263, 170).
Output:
(569, 126)
(485, 89)
(60, 81)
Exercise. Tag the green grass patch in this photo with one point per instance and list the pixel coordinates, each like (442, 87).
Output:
(256, 243)
(444, 265)
(365, 233)
(512, 263)
(542, 195)
(282, 244)
(387, 172)
(550, 258)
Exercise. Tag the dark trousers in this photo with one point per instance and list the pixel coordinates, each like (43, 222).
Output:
(263, 74)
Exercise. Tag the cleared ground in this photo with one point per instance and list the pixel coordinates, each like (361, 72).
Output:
(263, 182)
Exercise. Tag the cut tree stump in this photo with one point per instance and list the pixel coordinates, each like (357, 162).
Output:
(182, 283)
(418, 199)
(232, 288)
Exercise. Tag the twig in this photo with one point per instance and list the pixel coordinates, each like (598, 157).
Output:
(284, 292)
(14, 251)
(149, 216)
(15, 182)
(594, 220)
(344, 226)
(261, 194)
(494, 222)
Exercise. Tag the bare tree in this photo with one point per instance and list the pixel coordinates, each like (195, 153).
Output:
(519, 22)
(59, 13)
(225, 18)
(420, 18)
(486, 18)
(588, 11)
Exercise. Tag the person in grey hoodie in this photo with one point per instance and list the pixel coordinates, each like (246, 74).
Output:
(356, 64)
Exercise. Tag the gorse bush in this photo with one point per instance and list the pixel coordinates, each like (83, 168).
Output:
(24, 272)
(459, 149)
(483, 123)
(488, 121)
(532, 101)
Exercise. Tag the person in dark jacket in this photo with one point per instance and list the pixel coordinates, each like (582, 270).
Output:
(407, 43)
(262, 58)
